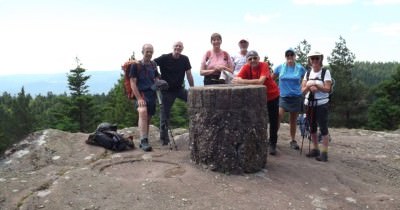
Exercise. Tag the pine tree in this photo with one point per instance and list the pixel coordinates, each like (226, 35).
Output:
(384, 113)
(348, 102)
(302, 51)
(81, 109)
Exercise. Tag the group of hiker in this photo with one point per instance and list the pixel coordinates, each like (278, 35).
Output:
(218, 67)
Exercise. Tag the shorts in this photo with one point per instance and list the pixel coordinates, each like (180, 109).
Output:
(291, 104)
(150, 98)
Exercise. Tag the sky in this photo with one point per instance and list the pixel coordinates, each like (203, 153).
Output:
(45, 36)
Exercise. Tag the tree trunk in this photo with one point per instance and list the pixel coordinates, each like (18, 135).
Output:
(228, 127)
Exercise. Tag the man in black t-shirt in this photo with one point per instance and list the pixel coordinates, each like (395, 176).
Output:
(173, 67)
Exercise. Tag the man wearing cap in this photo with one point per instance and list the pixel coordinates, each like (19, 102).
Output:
(317, 86)
(290, 76)
(258, 73)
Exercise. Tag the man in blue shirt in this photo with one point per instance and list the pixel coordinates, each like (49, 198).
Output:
(142, 78)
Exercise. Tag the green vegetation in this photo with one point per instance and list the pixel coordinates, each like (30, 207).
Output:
(353, 105)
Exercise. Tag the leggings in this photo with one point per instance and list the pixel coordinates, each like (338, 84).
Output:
(318, 115)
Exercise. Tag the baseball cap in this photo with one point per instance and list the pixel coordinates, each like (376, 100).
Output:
(251, 53)
(243, 41)
(290, 50)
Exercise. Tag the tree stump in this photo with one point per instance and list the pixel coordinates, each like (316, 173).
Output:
(228, 127)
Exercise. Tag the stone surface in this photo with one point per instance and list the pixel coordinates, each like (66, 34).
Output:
(362, 173)
(228, 127)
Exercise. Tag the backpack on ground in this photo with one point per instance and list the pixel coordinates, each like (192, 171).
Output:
(106, 136)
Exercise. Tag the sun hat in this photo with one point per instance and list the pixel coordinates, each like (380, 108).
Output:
(315, 53)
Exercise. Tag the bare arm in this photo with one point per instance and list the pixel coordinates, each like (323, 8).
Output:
(204, 71)
(189, 78)
(310, 85)
(259, 81)
(136, 92)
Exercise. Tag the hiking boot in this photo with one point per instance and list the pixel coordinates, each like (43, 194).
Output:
(272, 149)
(323, 157)
(294, 145)
(313, 153)
(144, 145)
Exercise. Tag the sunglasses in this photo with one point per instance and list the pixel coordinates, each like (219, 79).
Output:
(289, 55)
(252, 58)
(314, 58)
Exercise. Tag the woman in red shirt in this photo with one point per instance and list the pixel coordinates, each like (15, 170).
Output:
(258, 73)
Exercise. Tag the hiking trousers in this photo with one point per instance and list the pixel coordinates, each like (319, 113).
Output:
(168, 98)
(273, 116)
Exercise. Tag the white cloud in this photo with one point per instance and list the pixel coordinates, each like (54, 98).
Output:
(323, 2)
(260, 18)
(392, 29)
(383, 2)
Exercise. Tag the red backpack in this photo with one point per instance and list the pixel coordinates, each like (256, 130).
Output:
(127, 82)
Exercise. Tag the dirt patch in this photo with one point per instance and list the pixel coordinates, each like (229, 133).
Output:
(61, 172)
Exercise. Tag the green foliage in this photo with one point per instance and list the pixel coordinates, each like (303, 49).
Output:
(179, 115)
(16, 118)
(118, 108)
(373, 73)
(348, 102)
(302, 51)
(384, 113)
(81, 109)
(270, 64)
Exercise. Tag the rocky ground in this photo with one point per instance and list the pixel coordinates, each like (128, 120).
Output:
(56, 170)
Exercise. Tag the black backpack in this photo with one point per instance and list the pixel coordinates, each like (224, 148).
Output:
(106, 136)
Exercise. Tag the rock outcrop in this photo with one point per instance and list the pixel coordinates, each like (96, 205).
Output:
(52, 169)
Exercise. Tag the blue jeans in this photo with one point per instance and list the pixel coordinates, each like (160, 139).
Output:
(168, 98)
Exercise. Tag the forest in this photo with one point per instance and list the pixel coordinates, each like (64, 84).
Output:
(366, 95)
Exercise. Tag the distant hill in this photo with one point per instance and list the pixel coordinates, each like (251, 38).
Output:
(35, 84)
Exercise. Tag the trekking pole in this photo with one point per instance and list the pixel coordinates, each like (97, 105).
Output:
(303, 132)
(172, 136)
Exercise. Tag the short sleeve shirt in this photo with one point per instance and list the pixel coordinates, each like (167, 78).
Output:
(255, 73)
(290, 78)
(173, 69)
(321, 97)
(145, 75)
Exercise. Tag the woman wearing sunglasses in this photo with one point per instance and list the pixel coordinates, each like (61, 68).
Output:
(258, 73)
(290, 76)
(316, 100)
